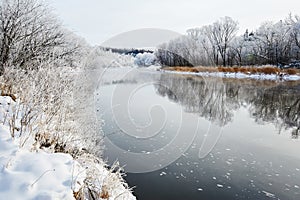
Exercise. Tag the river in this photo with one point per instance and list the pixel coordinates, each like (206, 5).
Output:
(191, 137)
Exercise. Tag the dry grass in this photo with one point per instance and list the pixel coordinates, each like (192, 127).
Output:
(104, 192)
(292, 71)
(182, 69)
(245, 70)
(6, 90)
(207, 69)
(268, 70)
(236, 69)
(79, 195)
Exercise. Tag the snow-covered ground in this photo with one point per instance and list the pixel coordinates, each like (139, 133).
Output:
(240, 75)
(35, 174)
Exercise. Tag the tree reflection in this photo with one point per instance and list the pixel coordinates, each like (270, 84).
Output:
(279, 105)
(209, 98)
(216, 99)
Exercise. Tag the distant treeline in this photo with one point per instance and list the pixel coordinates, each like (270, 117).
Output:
(127, 51)
(218, 44)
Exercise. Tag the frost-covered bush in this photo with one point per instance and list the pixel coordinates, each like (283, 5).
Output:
(145, 59)
(52, 108)
(43, 102)
(98, 58)
(45, 111)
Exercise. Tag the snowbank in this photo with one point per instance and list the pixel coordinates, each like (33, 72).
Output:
(34, 175)
(27, 174)
(285, 77)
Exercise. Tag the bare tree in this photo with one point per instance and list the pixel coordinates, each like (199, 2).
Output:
(29, 34)
(272, 43)
(294, 22)
(207, 30)
(221, 33)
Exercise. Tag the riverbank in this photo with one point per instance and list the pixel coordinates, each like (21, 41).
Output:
(30, 173)
(261, 73)
(45, 150)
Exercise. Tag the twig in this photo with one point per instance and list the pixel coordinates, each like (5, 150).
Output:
(50, 170)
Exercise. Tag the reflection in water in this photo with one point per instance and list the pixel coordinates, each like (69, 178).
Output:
(248, 161)
(216, 99)
(278, 105)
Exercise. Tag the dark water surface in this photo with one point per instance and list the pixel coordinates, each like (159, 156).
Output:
(188, 137)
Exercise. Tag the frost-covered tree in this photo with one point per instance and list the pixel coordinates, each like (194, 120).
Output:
(242, 49)
(145, 59)
(294, 22)
(175, 53)
(203, 46)
(276, 43)
(30, 34)
(199, 47)
(237, 49)
(221, 34)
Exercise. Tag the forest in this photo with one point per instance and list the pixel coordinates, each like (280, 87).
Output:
(218, 44)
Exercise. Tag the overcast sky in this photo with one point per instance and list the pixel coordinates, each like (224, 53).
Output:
(99, 20)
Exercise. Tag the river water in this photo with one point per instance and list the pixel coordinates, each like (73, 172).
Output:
(191, 137)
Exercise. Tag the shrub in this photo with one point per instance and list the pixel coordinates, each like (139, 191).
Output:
(44, 102)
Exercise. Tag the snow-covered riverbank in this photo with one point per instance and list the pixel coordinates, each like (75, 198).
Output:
(274, 77)
(29, 173)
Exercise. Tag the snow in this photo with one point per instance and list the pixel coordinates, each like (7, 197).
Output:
(34, 175)
(39, 176)
(145, 59)
(154, 67)
(239, 75)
